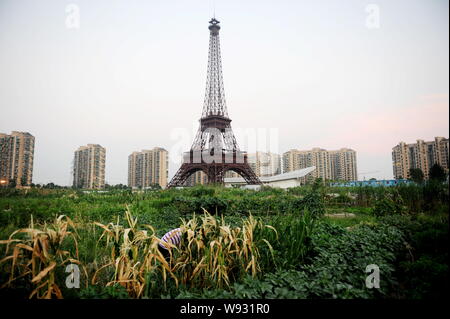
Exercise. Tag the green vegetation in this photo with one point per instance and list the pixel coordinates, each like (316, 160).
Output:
(417, 175)
(305, 242)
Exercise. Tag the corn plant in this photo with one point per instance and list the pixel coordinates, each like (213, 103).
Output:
(134, 252)
(39, 254)
(212, 254)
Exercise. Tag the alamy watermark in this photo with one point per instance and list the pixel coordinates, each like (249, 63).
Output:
(373, 16)
(73, 280)
(373, 280)
(72, 16)
(251, 140)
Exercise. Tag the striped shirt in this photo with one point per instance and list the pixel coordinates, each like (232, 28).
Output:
(173, 237)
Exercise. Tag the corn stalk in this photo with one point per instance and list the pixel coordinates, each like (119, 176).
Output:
(38, 256)
(211, 254)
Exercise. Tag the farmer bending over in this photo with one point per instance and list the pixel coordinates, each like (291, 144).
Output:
(173, 237)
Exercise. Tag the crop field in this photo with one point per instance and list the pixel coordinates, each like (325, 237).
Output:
(311, 242)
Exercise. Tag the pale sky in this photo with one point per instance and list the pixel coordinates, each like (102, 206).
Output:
(133, 75)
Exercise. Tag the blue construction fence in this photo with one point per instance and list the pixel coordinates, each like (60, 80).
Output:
(374, 183)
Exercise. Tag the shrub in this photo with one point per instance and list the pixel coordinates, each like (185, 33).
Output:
(110, 292)
(423, 270)
(390, 205)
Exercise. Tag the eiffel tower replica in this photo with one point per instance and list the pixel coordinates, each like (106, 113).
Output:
(214, 150)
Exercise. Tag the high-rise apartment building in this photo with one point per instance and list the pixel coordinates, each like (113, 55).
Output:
(89, 167)
(148, 168)
(16, 158)
(422, 155)
(262, 163)
(265, 163)
(343, 165)
(330, 165)
(198, 177)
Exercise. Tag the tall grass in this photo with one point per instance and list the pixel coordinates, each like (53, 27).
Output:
(291, 241)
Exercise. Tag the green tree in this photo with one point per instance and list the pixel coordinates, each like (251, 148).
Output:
(12, 183)
(155, 187)
(437, 173)
(416, 175)
(121, 186)
(51, 186)
(114, 187)
(318, 183)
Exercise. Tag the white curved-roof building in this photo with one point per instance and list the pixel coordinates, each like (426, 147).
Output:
(285, 180)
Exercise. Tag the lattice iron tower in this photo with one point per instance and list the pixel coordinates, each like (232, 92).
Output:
(214, 150)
